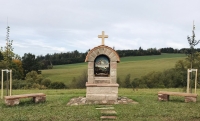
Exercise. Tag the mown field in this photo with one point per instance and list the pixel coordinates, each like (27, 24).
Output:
(55, 108)
(137, 66)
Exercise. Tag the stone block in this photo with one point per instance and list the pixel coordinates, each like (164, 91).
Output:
(105, 50)
(108, 117)
(102, 90)
(113, 72)
(102, 81)
(111, 54)
(90, 72)
(163, 97)
(90, 65)
(113, 65)
(190, 99)
(113, 80)
(101, 50)
(90, 79)
(39, 99)
(90, 58)
(113, 59)
(12, 102)
(104, 97)
(94, 54)
(108, 52)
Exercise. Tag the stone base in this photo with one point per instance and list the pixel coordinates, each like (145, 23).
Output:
(163, 97)
(83, 101)
(39, 99)
(190, 99)
(105, 97)
(107, 92)
(12, 102)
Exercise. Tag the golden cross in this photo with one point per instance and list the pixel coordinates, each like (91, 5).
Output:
(102, 36)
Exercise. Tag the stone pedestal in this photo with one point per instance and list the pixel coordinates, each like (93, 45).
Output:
(98, 92)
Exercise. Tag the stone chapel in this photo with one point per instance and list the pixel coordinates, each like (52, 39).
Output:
(102, 73)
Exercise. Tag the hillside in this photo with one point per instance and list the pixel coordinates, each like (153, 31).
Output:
(137, 66)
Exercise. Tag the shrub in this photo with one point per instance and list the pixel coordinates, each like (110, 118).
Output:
(127, 81)
(46, 82)
(57, 85)
(80, 82)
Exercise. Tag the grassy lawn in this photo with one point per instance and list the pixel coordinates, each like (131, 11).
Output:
(137, 66)
(55, 108)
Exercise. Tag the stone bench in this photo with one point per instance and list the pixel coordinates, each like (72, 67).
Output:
(14, 99)
(164, 96)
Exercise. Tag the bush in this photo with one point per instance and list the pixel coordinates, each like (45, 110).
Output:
(80, 82)
(135, 83)
(127, 81)
(57, 85)
(46, 82)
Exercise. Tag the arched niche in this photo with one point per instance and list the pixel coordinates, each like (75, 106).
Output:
(102, 65)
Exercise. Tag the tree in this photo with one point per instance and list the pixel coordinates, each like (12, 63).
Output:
(30, 63)
(7, 51)
(1, 56)
(18, 71)
(8, 54)
(192, 42)
(127, 81)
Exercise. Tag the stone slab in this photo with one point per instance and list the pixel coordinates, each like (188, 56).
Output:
(102, 90)
(109, 112)
(101, 97)
(101, 85)
(105, 108)
(108, 117)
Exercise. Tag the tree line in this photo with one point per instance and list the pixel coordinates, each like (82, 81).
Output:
(182, 50)
(26, 70)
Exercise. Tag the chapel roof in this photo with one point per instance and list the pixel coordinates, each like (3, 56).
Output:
(102, 50)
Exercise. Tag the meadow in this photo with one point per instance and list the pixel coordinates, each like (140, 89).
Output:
(148, 108)
(55, 108)
(136, 66)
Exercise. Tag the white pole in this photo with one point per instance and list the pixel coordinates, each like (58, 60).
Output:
(188, 80)
(2, 84)
(195, 90)
(10, 82)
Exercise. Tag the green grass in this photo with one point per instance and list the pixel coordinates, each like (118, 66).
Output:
(137, 66)
(55, 108)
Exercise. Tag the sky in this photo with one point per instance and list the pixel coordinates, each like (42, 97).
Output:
(45, 27)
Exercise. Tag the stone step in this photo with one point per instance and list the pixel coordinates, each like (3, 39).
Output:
(108, 113)
(100, 106)
(105, 108)
(108, 117)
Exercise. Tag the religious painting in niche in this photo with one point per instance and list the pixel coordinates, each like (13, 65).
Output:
(102, 66)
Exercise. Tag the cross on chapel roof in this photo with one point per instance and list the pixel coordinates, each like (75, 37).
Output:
(102, 36)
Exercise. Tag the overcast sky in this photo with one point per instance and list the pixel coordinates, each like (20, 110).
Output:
(53, 26)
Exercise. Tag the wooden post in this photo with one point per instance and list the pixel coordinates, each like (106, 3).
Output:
(10, 82)
(195, 90)
(188, 80)
(2, 84)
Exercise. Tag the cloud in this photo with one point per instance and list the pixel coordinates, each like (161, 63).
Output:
(42, 27)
